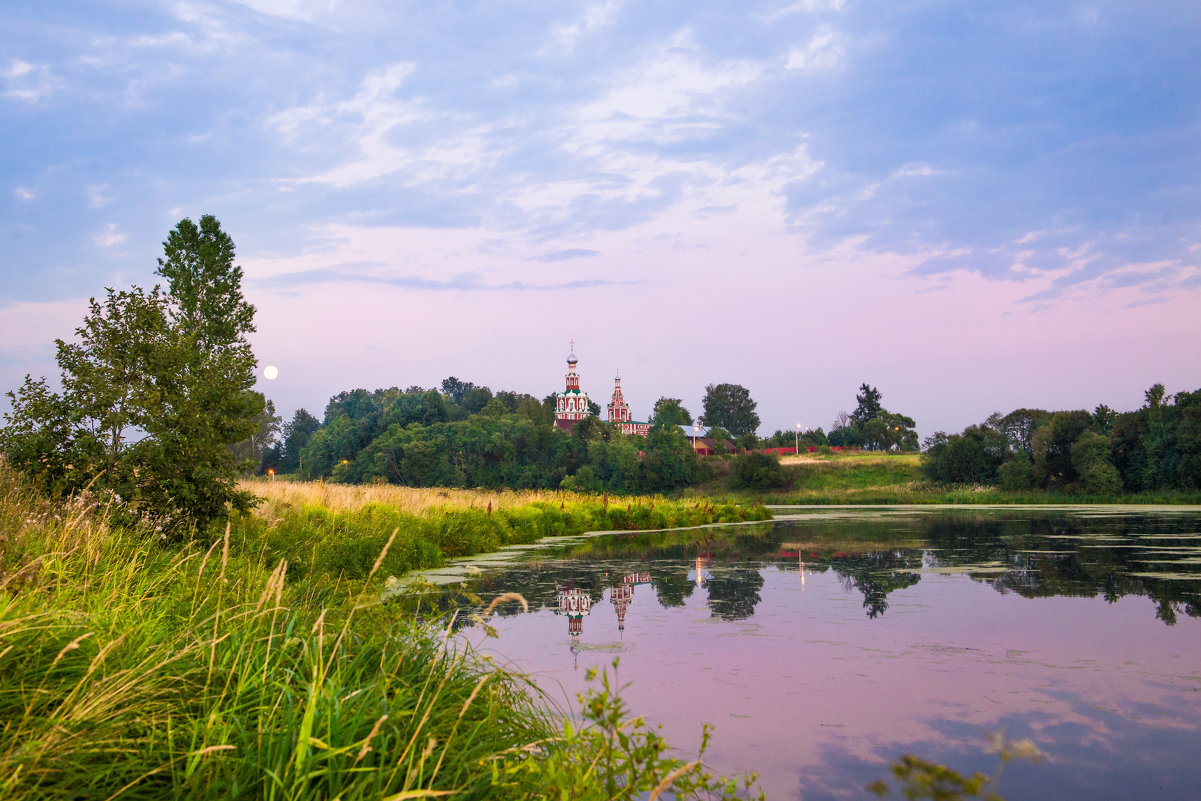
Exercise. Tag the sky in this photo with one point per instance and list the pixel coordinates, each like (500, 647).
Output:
(973, 207)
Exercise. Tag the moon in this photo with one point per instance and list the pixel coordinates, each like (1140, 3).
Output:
(270, 372)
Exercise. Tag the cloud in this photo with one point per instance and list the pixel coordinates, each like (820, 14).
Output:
(24, 193)
(29, 82)
(596, 17)
(824, 51)
(565, 255)
(97, 197)
(109, 237)
(462, 282)
(374, 121)
(804, 7)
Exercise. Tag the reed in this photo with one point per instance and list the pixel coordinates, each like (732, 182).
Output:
(135, 667)
(333, 531)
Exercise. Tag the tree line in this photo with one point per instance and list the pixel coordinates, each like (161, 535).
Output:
(463, 435)
(1154, 448)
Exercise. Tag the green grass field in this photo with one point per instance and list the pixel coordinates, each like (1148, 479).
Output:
(855, 477)
(136, 667)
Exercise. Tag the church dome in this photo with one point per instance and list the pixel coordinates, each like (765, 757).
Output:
(571, 359)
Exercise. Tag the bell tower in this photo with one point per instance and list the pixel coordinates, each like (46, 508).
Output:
(619, 410)
(571, 405)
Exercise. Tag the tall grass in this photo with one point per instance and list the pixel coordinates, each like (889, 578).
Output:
(132, 667)
(334, 532)
(133, 670)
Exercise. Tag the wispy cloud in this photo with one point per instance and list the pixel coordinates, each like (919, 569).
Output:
(29, 82)
(596, 16)
(109, 237)
(823, 51)
(461, 282)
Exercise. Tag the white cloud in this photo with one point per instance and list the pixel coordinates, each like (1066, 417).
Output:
(30, 82)
(917, 169)
(109, 237)
(371, 119)
(302, 10)
(805, 7)
(97, 198)
(596, 17)
(23, 193)
(824, 51)
(666, 98)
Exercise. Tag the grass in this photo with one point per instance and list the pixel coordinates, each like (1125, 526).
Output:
(409, 500)
(336, 531)
(864, 478)
(134, 667)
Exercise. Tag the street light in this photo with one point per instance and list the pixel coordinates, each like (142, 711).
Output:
(798, 439)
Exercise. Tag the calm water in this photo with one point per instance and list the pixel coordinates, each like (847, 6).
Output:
(825, 646)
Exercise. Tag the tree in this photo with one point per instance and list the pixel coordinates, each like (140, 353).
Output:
(759, 471)
(869, 405)
(671, 412)
(730, 406)
(251, 451)
(156, 388)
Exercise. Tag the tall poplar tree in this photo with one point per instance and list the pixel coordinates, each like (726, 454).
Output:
(155, 388)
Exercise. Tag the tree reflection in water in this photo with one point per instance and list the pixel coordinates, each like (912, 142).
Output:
(1033, 554)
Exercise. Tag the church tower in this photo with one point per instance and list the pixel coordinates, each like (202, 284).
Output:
(571, 405)
(619, 410)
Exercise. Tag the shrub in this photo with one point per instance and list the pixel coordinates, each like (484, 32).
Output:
(759, 471)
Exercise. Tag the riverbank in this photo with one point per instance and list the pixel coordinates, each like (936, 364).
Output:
(872, 478)
(232, 666)
(338, 531)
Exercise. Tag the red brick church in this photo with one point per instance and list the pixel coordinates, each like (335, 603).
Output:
(571, 405)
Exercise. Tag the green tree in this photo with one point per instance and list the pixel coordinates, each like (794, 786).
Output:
(251, 451)
(156, 388)
(730, 406)
(759, 471)
(670, 461)
(1090, 458)
(869, 405)
(671, 411)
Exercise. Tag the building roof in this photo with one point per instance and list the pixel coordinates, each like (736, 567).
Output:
(695, 431)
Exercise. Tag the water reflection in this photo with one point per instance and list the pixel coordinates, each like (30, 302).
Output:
(1033, 556)
(826, 647)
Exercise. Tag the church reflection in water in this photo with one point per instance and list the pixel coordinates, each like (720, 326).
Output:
(1042, 556)
(575, 604)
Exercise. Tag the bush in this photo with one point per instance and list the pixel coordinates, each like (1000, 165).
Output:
(759, 471)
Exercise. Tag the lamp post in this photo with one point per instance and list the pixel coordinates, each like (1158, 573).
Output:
(798, 439)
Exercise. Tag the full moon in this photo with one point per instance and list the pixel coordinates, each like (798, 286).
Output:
(270, 372)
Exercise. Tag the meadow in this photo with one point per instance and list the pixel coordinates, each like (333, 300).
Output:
(873, 478)
(338, 531)
(136, 666)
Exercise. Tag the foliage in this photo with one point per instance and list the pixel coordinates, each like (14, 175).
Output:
(140, 669)
(317, 541)
(759, 471)
(920, 778)
(251, 452)
(873, 427)
(1103, 453)
(868, 407)
(730, 406)
(613, 757)
(156, 389)
(973, 457)
(670, 412)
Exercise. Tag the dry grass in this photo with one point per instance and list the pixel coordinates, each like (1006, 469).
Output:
(409, 500)
(851, 458)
